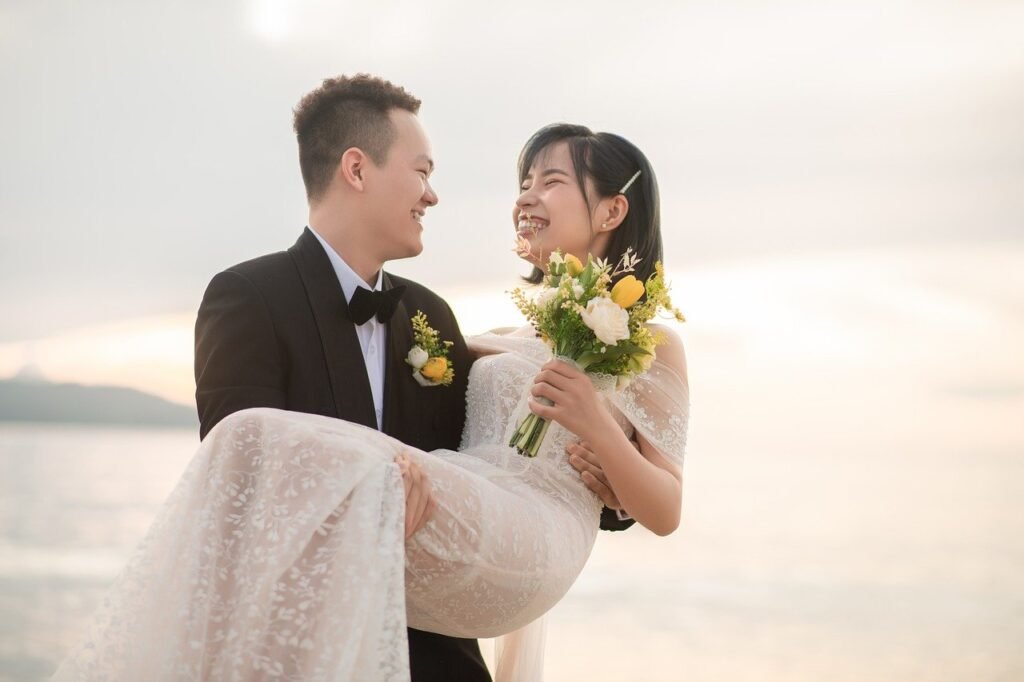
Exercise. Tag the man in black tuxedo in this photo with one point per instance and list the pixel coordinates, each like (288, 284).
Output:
(321, 328)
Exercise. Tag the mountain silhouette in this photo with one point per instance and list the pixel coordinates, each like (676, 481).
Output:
(34, 400)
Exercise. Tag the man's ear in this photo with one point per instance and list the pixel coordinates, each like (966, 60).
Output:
(352, 168)
(612, 212)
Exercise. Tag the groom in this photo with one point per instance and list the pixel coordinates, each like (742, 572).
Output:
(321, 328)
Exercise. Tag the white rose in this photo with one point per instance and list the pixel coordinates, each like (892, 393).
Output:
(609, 322)
(417, 357)
(577, 290)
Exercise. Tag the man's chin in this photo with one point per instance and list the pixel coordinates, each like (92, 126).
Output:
(411, 251)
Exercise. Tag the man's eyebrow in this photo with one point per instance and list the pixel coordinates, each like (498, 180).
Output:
(424, 157)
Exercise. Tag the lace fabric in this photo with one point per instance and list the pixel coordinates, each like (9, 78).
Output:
(656, 403)
(280, 552)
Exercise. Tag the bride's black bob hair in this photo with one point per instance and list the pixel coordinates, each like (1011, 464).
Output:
(609, 161)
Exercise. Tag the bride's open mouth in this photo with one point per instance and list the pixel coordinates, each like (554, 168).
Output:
(531, 225)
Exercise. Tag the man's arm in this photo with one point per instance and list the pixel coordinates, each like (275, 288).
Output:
(615, 519)
(583, 459)
(238, 364)
(463, 359)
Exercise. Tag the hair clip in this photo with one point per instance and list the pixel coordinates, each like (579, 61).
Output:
(630, 182)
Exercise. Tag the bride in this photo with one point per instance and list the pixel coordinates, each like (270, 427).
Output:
(281, 552)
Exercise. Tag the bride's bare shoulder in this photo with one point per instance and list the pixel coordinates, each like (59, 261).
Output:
(670, 351)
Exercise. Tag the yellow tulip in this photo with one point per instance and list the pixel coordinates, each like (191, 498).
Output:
(435, 368)
(573, 265)
(627, 291)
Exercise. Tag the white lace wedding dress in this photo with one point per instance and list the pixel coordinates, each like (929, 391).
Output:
(280, 553)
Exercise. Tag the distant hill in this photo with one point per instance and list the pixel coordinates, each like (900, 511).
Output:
(28, 400)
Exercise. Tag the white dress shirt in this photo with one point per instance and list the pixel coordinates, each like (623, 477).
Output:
(372, 333)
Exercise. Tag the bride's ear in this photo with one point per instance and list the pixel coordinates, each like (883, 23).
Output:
(611, 212)
(351, 169)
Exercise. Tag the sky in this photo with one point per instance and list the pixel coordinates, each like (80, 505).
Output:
(147, 146)
(842, 193)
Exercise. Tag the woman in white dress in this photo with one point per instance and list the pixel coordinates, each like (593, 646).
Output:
(281, 552)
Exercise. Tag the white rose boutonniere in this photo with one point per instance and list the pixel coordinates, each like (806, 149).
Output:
(429, 357)
(417, 357)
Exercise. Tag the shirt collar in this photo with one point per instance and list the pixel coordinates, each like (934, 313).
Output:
(347, 277)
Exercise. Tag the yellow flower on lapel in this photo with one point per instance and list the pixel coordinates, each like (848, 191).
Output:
(429, 357)
(435, 368)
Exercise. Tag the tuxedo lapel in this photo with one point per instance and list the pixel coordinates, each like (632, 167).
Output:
(397, 374)
(350, 384)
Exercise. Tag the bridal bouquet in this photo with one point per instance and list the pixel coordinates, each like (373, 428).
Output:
(590, 323)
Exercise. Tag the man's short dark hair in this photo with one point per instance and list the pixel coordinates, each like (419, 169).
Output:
(346, 112)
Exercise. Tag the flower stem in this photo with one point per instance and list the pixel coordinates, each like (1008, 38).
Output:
(529, 435)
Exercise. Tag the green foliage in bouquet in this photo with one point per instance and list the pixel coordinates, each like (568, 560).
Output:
(602, 328)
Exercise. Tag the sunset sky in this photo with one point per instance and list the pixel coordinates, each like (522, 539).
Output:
(840, 181)
(842, 190)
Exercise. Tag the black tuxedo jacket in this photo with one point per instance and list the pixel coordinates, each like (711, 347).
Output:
(275, 332)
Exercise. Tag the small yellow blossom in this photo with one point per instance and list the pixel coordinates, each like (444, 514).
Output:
(435, 368)
(627, 291)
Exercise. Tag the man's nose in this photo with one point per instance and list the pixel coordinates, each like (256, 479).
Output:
(430, 196)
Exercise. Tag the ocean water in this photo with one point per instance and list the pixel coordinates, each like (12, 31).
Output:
(791, 564)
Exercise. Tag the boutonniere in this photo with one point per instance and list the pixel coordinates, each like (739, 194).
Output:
(429, 357)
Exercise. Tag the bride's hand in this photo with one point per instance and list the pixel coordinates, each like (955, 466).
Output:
(576, 403)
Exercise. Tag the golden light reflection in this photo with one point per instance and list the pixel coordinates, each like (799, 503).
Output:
(940, 321)
(152, 354)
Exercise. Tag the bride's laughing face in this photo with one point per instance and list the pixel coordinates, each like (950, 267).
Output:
(551, 211)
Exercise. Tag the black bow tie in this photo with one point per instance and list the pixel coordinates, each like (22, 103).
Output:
(365, 304)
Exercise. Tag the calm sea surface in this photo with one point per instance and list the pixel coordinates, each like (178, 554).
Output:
(791, 564)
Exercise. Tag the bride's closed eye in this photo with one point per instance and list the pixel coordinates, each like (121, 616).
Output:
(547, 183)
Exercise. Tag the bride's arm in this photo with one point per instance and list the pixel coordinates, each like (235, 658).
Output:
(478, 347)
(647, 483)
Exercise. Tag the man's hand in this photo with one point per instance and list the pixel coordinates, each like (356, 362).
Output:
(582, 458)
(419, 496)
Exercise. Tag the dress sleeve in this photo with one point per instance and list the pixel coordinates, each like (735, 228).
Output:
(657, 404)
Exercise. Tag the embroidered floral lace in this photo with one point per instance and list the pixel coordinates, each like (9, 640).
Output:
(280, 553)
